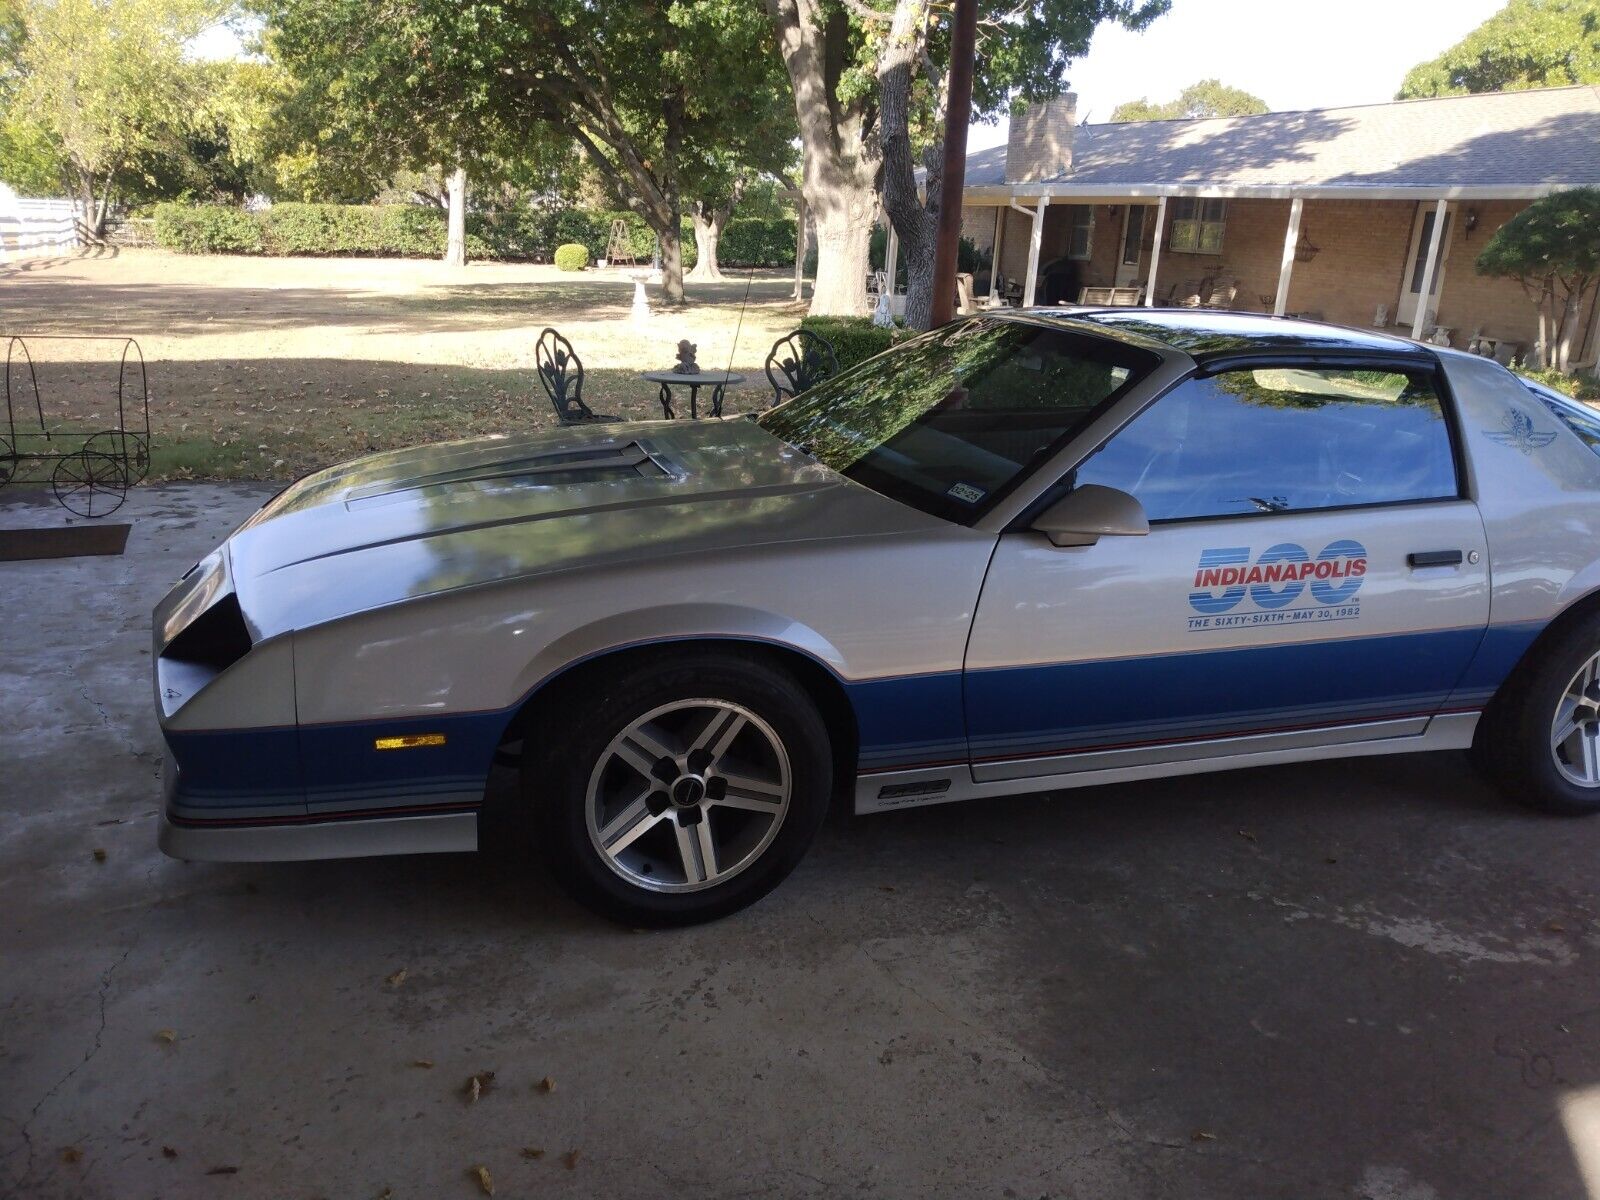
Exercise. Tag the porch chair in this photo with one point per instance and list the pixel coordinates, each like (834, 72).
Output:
(560, 371)
(799, 361)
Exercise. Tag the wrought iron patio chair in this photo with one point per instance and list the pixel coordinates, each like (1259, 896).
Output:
(799, 361)
(560, 371)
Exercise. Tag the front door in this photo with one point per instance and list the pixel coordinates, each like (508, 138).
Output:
(1417, 264)
(1132, 245)
(1311, 577)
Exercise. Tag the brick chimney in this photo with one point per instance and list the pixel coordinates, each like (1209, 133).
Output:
(1040, 143)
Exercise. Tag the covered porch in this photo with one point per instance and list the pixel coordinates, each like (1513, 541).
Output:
(1400, 260)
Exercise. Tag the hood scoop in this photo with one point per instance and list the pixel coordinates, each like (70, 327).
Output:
(593, 464)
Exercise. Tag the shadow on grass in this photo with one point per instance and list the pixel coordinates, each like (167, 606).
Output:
(280, 418)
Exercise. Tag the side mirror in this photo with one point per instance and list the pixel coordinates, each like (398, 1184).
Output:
(1087, 513)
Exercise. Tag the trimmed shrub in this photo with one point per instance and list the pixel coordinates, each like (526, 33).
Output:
(855, 339)
(757, 242)
(413, 231)
(207, 229)
(572, 257)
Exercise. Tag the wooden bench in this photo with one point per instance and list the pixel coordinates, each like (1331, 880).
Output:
(1111, 297)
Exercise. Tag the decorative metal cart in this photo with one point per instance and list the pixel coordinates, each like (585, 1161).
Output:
(89, 470)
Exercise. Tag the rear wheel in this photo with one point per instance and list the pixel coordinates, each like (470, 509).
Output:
(1540, 740)
(681, 789)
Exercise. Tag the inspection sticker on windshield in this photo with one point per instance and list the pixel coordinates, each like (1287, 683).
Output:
(966, 492)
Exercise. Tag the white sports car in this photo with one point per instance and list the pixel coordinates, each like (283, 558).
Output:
(1020, 553)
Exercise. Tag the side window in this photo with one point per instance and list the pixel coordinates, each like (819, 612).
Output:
(1282, 439)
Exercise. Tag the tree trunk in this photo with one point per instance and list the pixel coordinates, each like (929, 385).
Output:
(917, 226)
(800, 247)
(709, 222)
(455, 250)
(838, 144)
(670, 240)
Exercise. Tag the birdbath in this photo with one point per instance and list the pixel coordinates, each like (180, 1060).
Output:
(641, 302)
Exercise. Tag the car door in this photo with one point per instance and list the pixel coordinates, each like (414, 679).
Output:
(1313, 575)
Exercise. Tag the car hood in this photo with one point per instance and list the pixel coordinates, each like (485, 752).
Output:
(411, 523)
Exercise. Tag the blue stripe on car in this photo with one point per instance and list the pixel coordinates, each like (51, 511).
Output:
(908, 721)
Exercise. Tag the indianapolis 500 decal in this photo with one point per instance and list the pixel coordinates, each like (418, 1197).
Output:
(1284, 584)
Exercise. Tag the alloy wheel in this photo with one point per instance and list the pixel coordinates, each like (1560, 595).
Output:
(1575, 731)
(688, 795)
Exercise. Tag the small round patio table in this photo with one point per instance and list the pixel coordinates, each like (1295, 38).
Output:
(715, 380)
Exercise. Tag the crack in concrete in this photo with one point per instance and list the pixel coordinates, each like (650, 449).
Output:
(26, 1128)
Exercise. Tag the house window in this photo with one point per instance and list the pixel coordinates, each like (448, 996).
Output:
(1132, 236)
(1197, 225)
(1080, 237)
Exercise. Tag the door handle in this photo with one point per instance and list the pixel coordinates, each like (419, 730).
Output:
(1434, 558)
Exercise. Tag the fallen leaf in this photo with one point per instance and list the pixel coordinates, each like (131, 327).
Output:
(99, 854)
(886, 887)
(1554, 927)
(485, 1180)
(1200, 1135)
(1247, 835)
(71, 1154)
(546, 1084)
(425, 1063)
(168, 1152)
(532, 1152)
(570, 1159)
(386, 1194)
(166, 1036)
(223, 1171)
(477, 1085)
(397, 978)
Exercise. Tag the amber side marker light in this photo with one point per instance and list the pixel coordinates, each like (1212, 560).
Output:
(409, 741)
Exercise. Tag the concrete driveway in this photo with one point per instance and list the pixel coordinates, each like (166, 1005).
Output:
(1368, 979)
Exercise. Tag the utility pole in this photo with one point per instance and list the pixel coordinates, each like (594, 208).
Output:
(958, 115)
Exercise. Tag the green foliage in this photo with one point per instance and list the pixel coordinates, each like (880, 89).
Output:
(1558, 235)
(1552, 248)
(107, 85)
(386, 230)
(574, 256)
(757, 242)
(207, 229)
(1579, 387)
(1208, 98)
(1527, 44)
(855, 339)
(968, 257)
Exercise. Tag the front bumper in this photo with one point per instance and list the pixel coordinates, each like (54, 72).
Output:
(309, 838)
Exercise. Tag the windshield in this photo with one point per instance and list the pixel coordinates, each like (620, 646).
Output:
(951, 421)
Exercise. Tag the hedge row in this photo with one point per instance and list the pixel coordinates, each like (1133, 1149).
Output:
(412, 231)
(855, 339)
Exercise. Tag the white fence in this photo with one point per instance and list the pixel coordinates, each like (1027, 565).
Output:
(36, 227)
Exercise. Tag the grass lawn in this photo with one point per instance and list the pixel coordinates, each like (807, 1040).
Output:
(265, 368)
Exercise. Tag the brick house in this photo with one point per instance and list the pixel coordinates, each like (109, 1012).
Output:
(1370, 215)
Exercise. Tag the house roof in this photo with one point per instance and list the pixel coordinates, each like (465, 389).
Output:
(1508, 143)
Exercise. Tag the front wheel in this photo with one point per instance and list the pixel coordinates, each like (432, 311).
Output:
(680, 790)
(1540, 740)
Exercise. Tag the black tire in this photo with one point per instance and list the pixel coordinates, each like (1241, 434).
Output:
(566, 749)
(1513, 742)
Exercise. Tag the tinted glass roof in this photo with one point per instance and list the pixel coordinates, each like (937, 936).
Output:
(1202, 333)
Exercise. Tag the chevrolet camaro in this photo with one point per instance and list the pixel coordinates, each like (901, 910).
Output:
(1024, 552)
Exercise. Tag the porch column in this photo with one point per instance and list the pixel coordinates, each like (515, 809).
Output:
(994, 251)
(1428, 268)
(1286, 268)
(1034, 244)
(1155, 252)
(891, 254)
